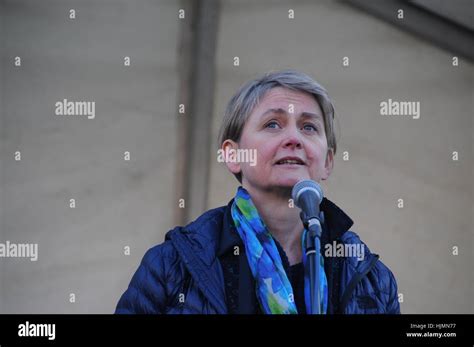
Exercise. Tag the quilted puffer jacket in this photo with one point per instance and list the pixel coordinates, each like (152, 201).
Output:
(184, 275)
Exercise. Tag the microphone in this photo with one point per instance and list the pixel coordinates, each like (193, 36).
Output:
(308, 195)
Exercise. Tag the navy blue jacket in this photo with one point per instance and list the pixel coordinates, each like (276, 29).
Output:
(184, 275)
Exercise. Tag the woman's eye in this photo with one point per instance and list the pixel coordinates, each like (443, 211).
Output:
(272, 125)
(310, 127)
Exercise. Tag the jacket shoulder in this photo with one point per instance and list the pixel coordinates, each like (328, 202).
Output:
(154, 281)
(201, 234)
(210, 219)
(161, 271)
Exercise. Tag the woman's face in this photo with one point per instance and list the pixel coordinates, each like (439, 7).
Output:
(285, 124)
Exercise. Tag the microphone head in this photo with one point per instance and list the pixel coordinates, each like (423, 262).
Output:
(307, 186)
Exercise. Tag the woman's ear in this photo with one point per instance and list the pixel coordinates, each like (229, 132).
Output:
(329, 164)
(228, 149)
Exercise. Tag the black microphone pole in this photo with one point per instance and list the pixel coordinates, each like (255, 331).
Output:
(313, 251)
(308, 195)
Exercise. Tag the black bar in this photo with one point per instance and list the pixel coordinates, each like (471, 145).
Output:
(138, 330)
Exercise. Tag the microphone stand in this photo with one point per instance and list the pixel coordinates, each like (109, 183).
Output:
(313, 257)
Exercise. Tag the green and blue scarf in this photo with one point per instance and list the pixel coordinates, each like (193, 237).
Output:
(273, 289)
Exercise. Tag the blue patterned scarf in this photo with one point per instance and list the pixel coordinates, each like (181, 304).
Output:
(274, 291)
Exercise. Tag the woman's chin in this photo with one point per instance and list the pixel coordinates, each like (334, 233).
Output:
(289, 181)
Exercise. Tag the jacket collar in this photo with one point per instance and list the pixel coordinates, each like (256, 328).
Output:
(336, 223)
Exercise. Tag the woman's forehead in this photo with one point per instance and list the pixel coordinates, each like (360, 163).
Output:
(281, 100)
(280, 94)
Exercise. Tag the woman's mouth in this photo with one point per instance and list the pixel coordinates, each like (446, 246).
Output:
(290, 163)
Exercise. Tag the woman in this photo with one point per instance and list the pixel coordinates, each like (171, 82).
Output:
(246, 257)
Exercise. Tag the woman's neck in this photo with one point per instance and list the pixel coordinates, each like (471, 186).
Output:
(282, 221)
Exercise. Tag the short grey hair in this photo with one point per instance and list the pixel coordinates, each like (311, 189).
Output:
(249, 95)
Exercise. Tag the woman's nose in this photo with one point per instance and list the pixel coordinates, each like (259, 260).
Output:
(292, 139)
